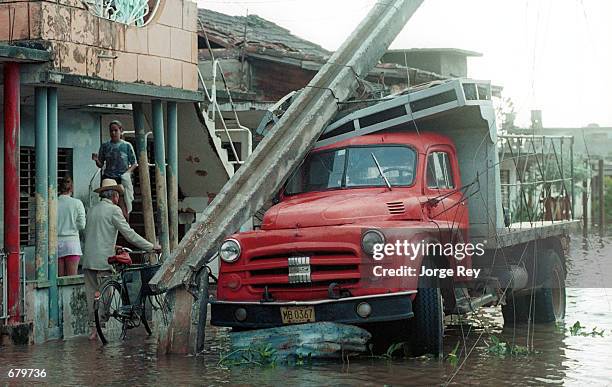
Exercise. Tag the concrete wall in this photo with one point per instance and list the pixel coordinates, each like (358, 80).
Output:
(423, 61)
(443, 63)
(453, 65)
(163, 52)
(77, 130)
(72, 307)
(232, 70)
(81, 132)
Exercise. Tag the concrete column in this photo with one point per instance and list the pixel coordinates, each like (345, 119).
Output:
(143, 172)
(602, 201)
(41, 189)
(11, 187)
(585, 208)
(173, 173)
(52, 191)
(573, 181)
(160, 176)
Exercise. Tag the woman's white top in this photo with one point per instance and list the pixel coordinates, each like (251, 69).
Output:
(70, 219)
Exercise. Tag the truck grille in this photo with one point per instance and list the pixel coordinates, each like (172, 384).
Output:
(303, 270)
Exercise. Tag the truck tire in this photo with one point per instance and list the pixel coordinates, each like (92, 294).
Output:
(427, 331)
(549, 302)
(516, 310)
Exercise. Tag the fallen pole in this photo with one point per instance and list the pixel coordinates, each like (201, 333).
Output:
(282, 150)
(275, 158)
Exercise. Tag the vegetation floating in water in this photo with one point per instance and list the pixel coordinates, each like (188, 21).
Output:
(578, 330)
(503, 349)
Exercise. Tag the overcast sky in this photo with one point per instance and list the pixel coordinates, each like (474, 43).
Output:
(553, 55)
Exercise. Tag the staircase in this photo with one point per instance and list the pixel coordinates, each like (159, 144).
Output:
(212, 146)
(232, 141)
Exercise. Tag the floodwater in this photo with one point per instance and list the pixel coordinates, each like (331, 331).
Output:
(558, 357)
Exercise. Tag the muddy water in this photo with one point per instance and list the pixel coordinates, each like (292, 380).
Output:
(559, 357)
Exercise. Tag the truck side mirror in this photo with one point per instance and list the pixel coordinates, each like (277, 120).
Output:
(276, 198)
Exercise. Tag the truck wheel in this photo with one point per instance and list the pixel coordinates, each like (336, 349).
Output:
(549, 302)
(516, 310)
(427, 333)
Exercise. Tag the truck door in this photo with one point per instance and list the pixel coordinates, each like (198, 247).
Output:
(442, 181)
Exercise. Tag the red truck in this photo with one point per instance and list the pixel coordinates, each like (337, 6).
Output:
(417, 169)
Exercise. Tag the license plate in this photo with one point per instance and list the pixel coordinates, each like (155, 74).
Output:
(296, 315)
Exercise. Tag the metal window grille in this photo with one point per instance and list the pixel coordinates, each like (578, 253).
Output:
(4, 285)
(544, 168)
(27, 187)
(131, 12)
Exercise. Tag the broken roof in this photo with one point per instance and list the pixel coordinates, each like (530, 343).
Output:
(261, 35)
(456, 51)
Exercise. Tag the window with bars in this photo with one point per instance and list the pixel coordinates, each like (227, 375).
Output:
(27, 188)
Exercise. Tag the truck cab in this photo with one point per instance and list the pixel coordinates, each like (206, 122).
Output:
(306, 259)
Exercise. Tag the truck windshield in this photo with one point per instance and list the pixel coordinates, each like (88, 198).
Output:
(353, 167)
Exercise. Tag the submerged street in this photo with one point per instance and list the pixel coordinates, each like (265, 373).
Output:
(561, 356)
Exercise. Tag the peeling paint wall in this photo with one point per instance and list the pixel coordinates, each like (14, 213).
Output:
(77, 130)
(73, 309)
(37, 311)
(163, 53)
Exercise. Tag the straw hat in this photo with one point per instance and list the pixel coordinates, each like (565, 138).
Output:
(110, 184)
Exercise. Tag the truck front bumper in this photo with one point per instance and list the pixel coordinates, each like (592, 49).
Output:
(384, 307)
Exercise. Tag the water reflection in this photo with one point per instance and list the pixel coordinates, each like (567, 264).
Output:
(560, 358)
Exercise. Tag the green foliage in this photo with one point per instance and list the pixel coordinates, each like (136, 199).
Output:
(453, 358)
(263, 356)
(578, 330)
(395, 347)
(502, 349)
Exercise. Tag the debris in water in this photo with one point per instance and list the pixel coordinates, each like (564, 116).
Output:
(312, 341)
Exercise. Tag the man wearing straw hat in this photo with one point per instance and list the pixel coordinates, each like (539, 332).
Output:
(104, 221)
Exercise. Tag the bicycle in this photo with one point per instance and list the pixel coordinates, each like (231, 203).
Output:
(118, 306)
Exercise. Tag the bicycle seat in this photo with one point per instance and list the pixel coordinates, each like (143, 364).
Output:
(121, 259)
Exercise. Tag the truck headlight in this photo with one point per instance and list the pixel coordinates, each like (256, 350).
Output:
(230, 250)
(371, 238)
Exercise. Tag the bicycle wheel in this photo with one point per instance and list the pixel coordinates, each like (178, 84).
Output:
(110, 323)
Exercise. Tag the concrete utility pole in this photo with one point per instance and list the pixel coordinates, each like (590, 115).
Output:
(276, 156)
(160, 176)
(602, 203)
(143, 172)
(585, 208)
